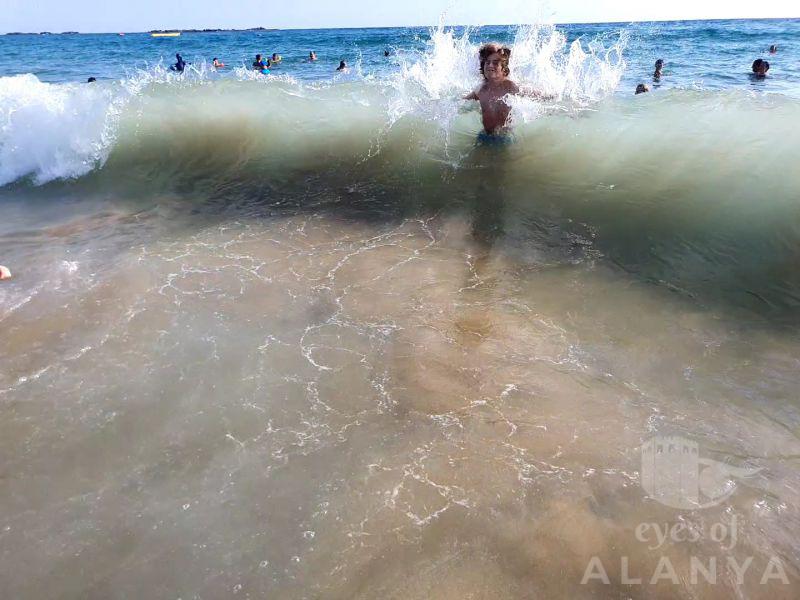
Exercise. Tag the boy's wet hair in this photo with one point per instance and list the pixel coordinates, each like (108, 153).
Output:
(491, 48)
(659, 63)
(757, 63)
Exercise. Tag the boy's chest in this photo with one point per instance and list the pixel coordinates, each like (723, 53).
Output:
(494, 100)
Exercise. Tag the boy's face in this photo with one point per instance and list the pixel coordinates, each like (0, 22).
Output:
(493, 67)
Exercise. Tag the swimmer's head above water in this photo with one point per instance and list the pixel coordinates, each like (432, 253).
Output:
(760, 67)
(494, 61)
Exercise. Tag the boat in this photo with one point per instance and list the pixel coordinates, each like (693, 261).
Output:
(166, 34)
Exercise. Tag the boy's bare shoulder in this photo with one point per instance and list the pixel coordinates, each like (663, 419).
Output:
(512, 87)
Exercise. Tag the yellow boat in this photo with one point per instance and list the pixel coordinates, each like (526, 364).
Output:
(166, 34)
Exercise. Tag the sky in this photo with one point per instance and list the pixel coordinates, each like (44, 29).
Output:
(143, 15)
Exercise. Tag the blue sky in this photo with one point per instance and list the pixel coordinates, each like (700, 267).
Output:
(141, 15)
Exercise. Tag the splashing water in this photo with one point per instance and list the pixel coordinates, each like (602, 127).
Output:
(53, 131)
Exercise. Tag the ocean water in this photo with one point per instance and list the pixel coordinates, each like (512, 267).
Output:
(299, 336)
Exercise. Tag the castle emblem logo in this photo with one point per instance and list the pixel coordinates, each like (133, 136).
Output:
(674, 475)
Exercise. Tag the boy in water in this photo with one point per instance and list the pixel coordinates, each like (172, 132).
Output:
(494, 60)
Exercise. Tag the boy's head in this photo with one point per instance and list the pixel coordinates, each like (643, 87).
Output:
(258, 57)
(760, 67)
(642, 89)
(659, 64)
(494, 61)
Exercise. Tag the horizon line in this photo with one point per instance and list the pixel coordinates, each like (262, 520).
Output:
(261, 27)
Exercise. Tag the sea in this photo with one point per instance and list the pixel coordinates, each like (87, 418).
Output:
(304, 335)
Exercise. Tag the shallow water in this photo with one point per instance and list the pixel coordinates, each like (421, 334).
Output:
(337, 350)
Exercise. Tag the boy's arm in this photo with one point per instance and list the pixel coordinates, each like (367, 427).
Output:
(471, 96)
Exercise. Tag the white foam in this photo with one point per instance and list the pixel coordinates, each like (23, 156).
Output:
(51, 131)
(431, 83)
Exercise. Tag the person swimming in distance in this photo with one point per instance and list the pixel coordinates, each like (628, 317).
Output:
(218, 64)
(760, 68)
(312, 56)
(773, 49)
(342, 66)
(659, 67)
(4, 273)
(495, 111)
(179, 65)
(641, 89)
(261, 66)
(276, 58)
(91, 80)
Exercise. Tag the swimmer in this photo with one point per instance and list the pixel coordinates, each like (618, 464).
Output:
(760, 68)
(218, 64)
(641, 89)
(494, 60)
(276, 58)
(659, 67)
(312, 56)
(4, 273)
(773, 49)
(179, 65)
(342, 66)
(261, 66)
(91, 80)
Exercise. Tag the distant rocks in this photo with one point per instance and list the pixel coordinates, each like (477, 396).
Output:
(209, 30)
(151, 31)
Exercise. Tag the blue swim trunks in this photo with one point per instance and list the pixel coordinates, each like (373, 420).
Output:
(494, 139)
